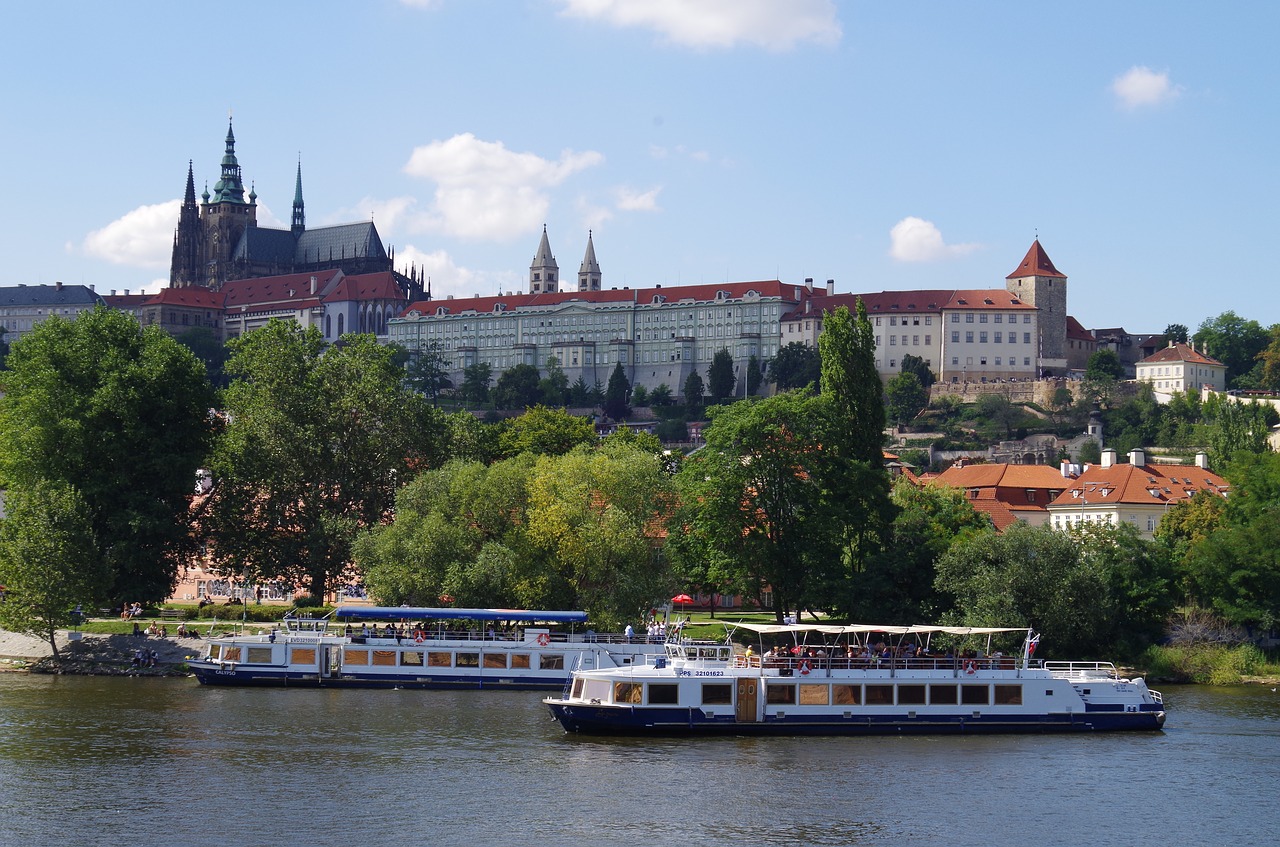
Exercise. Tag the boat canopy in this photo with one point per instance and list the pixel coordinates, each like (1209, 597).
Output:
(858, 628)
(422, 613)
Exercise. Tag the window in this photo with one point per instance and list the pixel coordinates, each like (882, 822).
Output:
(495, 660)
(780, 694)
(520, 660)
(955, 319)
(815, 695)
(999, 337)
(955, 337)
(355, 657)
(411, 657)
(911, 695)
(664, 693)
(893, 341)
(968, 337)
(982, 319)
(942, 695)
(627, 692)
(1031, 495)
(974, 695)
(928, 340)
(258, 656)
(551, 661)
(968, 318)
(716, 694)
(384, 658)
(302, 656)
(439, 659)
(879, 695)
(1008, 695)
(846, 695)
(982, 337)
(467, 660)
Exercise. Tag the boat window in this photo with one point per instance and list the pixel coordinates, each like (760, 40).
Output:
(716, 694)
(439, 659)
(302, 655)
(258, 656)
(519, 660)
(467, 660)
(846, 695)
(551, 661)
(597, 690)
(665, 693)
(411, 657)
(627, 692)
(815, 695)
(495, 660)
(230, 654)
(942, 695)
(879, 695)
(911, 695)
(1008, 695)
(974, 695)
(384, 657)
(577, 689)
(215, 650)
(355, 657)
(780, 694)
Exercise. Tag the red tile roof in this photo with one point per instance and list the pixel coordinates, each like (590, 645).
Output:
(1036, 263)
(294, 289)
(1179, 352)
(1141, 485)
(1077, 331)
(192, 296)
(359, 287)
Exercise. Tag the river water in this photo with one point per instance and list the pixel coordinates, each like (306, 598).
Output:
(121, 761)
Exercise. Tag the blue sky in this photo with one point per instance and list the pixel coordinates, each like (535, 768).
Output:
(884, 145)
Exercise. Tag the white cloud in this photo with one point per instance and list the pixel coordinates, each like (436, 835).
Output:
(392, 215)
(629, 200)
(1141, 86)
(484, 190)
(142, 238)
(658, 152)
(592, 214)
(449, 278)
(770, 24)
(917, 240)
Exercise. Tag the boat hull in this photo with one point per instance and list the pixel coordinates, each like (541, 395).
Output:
(260, 677)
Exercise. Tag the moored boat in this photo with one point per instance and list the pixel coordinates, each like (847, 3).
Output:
(418, 648)
(845, 680)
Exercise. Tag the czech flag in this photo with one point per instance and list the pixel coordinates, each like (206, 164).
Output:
(1032, 644)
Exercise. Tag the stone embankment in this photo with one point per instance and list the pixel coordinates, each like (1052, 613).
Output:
(108, 655)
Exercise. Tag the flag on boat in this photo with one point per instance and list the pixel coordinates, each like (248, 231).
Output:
(1032, 643)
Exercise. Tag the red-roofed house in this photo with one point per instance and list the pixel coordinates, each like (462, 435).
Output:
(1137, 493)
(1007, 493)
(1179, 367)
(1080, 345)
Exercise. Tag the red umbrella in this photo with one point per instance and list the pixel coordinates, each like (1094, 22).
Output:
(681, 599)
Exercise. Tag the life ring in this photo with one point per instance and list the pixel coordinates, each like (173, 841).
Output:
(418, 638)
(970, 666)
(804, 667)
(544, 639)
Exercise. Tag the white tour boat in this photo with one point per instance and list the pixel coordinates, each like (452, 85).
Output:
(845, 680)
(418, 648)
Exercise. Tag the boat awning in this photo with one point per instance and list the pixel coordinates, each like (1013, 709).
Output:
(423, 613)
(859, 628)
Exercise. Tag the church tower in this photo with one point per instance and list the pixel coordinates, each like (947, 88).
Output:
(186, 267)
(544, 271)
(226, 216)
(1038, 283)
(589, 273)
(299, 224)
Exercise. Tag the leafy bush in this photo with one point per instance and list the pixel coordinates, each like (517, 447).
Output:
(1205, 663)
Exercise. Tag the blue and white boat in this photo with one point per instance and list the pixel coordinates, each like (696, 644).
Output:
(853, 680)
(403, 647)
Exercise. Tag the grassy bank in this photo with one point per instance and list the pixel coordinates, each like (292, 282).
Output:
(1209, 664)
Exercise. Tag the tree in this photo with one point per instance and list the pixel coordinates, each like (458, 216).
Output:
(1177, 333)
(905, 397)
(720, 378)
(639, 396)
(317, 443)
(517, 388)
(916, 365)
(428, 371)
(470, 439)
(1236, 343)
(693, 391)
(795, 366)
(847, 346)
(754, 374)
(580, 394)
(661, 396)
(1269, 358)
(1104, 365)
(210, 350)
(1237, 427)
(475, 383)
(1002, 415)
(554, 387)
(615, 397)
(545, 431)
(49, 562)
(121, 414)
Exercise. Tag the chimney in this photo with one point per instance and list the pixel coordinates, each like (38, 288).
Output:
(313, 285)
(126, 292)
(1138, 457)
(1108, 457)
(57, 286)
(1202, 460)
(113, 292)
(831, 287)
(1065, 467)
(91, 286)
(808, 284)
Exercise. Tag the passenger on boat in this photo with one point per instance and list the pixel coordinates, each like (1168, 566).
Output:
(630, 633)
(349, 631)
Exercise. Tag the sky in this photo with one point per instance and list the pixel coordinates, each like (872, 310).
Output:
(887, 146)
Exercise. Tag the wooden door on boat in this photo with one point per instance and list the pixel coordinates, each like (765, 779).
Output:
(748, 696)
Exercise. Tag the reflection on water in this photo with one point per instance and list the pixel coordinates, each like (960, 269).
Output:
(107, 760)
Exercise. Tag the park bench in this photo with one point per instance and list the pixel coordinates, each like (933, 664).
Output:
(172, 615)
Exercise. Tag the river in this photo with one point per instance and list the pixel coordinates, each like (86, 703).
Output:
(121, 761)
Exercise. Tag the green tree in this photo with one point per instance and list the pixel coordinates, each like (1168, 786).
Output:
(475, 383)
(693, 391)
(545, 431)
(50, 565)
(1237, 427)
(470, 439)
(661, 396)
(318, 441)
(517, 388)
(121, 414)
(615, 397)
(754, 374)
(553, 389)
(1269, 359)
(580, 394)
(209, 349)
(720, 378)
(1177, 333)
(1002, 415)
(849, 377)
(795, 366)
(905, 398)
(428, 371)
(639, 396)
(1104, 364)
(916, 365)
(1236, 343)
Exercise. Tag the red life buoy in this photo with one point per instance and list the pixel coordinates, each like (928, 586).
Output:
(418, 638)
(970, 666)
(804, 666)
(544, 639)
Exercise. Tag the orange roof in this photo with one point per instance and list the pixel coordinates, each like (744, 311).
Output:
(1179, 352)
(1036, 263)
(1140, 485)
(292, 288)
(1077, 331)
(1004, 476)
(375, 286)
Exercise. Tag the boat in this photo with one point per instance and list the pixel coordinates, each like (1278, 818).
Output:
(854, 680)
(418, 647)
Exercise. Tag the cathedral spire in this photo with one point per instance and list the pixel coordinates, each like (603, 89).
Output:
(190, 196)
(229, 189)
(544, 270)
(589, 272)
(299, 216)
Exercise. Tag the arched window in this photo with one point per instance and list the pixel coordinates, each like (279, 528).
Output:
(328, 326)
(340, 324)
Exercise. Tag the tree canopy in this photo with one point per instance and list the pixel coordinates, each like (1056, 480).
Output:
(795, 366)
(615, 396)
(517, 388)
(720, 378)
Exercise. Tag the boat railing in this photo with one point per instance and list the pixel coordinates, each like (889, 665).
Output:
(892, 663)
(1081, 670)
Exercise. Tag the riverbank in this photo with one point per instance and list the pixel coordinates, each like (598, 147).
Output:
(92, 654)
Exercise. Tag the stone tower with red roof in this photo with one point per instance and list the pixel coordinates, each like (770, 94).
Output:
(1037, 282)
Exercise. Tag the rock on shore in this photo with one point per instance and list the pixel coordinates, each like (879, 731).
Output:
(93, 654)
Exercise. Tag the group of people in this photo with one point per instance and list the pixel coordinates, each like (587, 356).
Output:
(131, 611)
(855, 655)
(144, 657)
